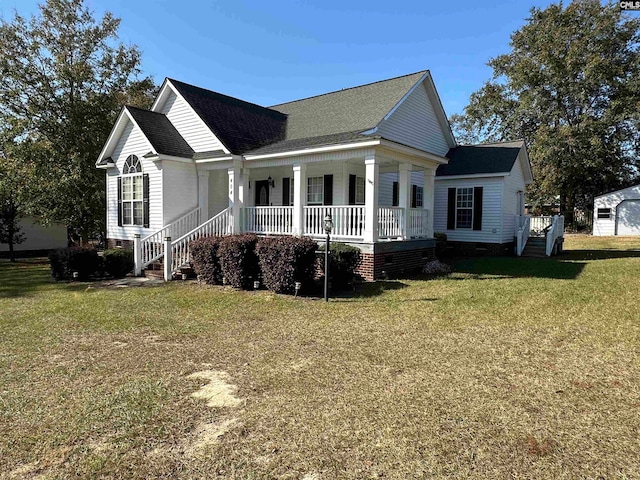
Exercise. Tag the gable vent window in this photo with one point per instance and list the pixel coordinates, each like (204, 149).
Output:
(604, 213)
(133, 194)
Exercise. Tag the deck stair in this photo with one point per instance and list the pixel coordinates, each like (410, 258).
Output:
(536, 247)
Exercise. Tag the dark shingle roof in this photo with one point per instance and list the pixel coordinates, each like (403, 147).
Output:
(353, 109)
(161, 133)
(241, 126)
(478, 159)
(303, 143)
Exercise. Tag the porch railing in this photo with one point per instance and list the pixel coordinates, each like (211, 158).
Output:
(556, 231)
(538, 224)
(523, 228)
(391, 222)
(179, 252)
(418, 223)
(348, 221)
(272, 220)
(152, 246)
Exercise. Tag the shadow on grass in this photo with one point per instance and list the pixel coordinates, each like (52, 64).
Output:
(518, 267)
(25, 277)
(599, 254)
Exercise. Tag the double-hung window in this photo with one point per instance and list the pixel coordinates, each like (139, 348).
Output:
(132, 192)
(315, 190)
(464, 207)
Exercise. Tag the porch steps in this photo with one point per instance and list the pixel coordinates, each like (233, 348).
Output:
(536, 247)
(156, 271)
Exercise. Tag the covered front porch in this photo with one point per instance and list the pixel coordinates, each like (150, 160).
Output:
(370, 196)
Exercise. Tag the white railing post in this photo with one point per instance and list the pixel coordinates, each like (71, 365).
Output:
(299, 198)
(372, 175)
(137, 255)
(168, 260)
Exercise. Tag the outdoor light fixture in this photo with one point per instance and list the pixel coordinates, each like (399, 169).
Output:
(298, 286)
(272, 182)
(328, 226)
(256, 285)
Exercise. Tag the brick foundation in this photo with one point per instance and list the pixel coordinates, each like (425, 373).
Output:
(393, 259)
(117, 243)
(386, 265)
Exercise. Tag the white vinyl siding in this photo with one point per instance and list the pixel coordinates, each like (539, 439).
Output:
(623, 205)
(491, 209)
(133, 142)
(189, 124)
(180, 189)
(513, 183)
(385, 193)
(414, 123)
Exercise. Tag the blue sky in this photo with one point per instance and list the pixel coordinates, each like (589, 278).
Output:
(269, 52)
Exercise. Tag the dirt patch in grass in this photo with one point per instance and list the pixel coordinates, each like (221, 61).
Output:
(217, 392)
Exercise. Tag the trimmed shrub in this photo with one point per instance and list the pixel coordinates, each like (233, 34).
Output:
(238, 260)
(118, 262)
(343, 261)
(203, 253)
(285, 261)
(65, 261)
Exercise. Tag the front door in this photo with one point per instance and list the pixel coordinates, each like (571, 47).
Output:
(262, 193)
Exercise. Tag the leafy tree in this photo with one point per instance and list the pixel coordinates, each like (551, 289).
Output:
(11, 204)
(571, 87)
(63, 78)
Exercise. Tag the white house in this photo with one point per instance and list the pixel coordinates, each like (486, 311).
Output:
(200, 163)
(617, 213)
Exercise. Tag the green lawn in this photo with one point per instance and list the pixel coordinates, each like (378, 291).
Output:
(509, 368)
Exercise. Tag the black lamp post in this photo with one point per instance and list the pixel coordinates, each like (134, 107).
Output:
(328, 226)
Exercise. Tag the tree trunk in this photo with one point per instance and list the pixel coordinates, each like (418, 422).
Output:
(11, 233)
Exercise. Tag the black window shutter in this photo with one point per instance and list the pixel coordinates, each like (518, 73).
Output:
(477, 208)
(286, 198)
(451, 209)
(414, 196)
(395, 200)
(145, 200)
(328, 190)
(352, 189)
(119, 201)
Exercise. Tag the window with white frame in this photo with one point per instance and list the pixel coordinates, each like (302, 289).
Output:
(315, 190)
(132, 192)
(359, 190)
(464, 207)
(419, 197)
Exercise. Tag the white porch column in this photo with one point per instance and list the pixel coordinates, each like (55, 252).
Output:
(299, 197)
(404, 194)
(371, 184)
(234, 197)
(203, 195)
(244, 187)
(428, 197)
